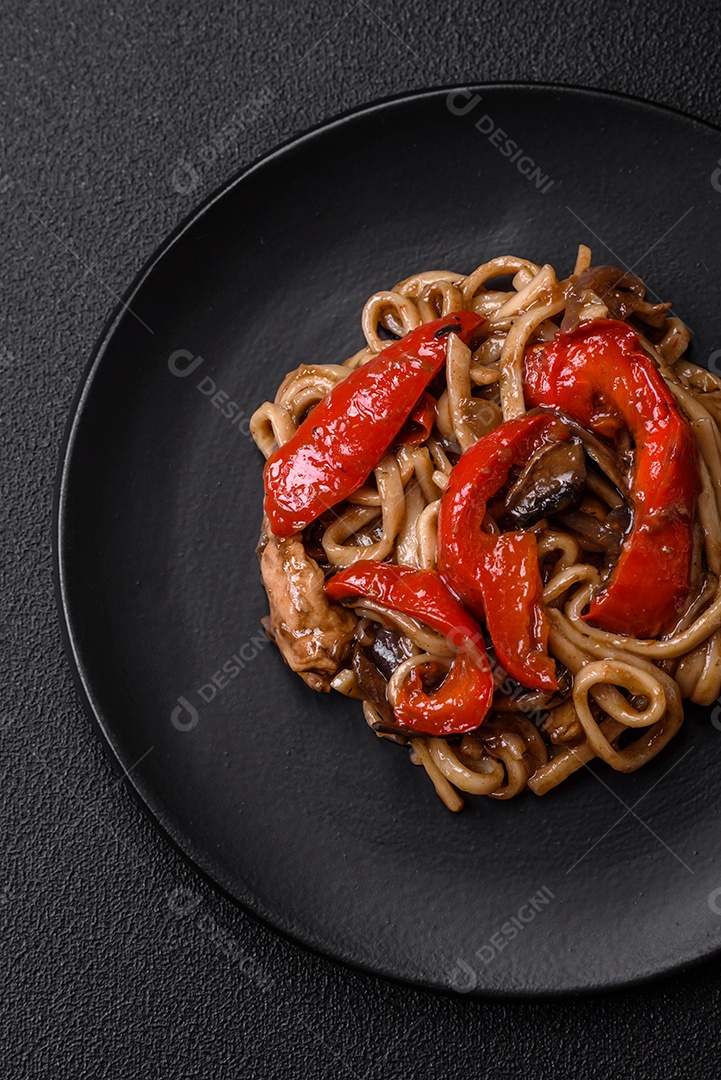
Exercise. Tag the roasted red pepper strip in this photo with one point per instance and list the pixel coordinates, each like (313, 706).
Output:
(420, 423)
(464, 697)
(599, 376)
(497, 577)
(347, 434)
(459, 704)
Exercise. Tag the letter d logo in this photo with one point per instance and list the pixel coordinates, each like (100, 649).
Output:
(185, 369)
(185, 178)
(176, 716)
(716, 178)
(463, 978)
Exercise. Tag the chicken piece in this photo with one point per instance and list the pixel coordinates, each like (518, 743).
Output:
(313, 635)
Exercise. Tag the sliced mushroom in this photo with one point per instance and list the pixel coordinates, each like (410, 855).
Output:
(388, 650)
(372, 685)
(621, 291)
(606, 459)
(619, 520)
(599, 536)
(373, 664)
(551, 482)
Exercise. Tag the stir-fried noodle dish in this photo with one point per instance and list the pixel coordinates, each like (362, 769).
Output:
(497, 524)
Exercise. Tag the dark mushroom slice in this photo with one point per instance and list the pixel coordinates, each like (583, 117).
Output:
(599, 536)
(619, 520)
(608, 461)
(621, 291)
(313, 540)
(371, 684)
(552, 481)
(373, 664)
(388, 650)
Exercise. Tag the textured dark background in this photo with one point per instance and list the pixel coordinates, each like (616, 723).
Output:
(117, 961)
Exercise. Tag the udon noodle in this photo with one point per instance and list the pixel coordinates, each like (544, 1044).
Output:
(620, 698)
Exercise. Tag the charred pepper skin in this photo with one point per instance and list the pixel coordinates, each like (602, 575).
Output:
(347, 434)
(600, 377)
(462, 700)
(498, 577)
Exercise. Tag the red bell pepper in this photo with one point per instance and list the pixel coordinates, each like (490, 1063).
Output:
(420, 423)
(459, 704)
(497, 577)
(464, 697)
(599, 375)
(347, 434)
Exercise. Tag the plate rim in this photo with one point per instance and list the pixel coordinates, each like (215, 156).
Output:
(140, 793)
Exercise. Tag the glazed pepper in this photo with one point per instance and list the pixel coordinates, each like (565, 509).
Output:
(497, 577)
(599, 376)
(464, 697)
(347, 434)
(420, 423)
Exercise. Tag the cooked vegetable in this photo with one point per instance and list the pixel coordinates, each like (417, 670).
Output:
(387, 650)
(599, 375)
(609, 461)
(464, 696)
(621, 291)
(553, 481)
(497, 577)
(371, 683)
(599, 535)
(420, 423)
(347, 434)
(459, 704)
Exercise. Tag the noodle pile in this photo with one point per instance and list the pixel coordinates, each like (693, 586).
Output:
(621, 700)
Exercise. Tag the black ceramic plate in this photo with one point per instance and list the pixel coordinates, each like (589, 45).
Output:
(282, 796)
